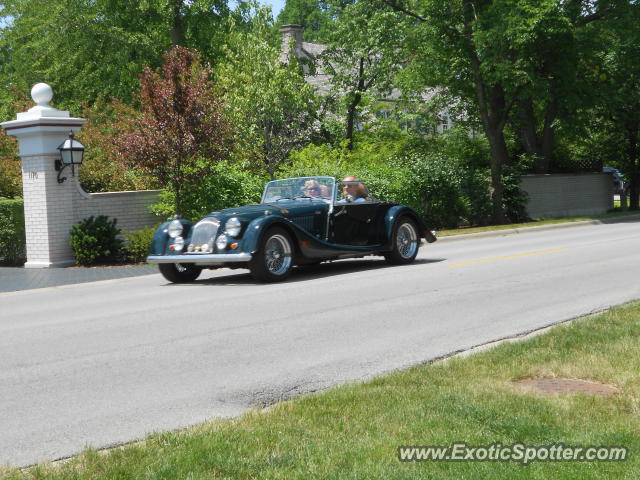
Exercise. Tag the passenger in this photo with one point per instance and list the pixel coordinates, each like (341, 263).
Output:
(312, 188)
(324, 191)
(353, 190)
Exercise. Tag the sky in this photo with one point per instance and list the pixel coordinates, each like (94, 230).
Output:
(276, 6)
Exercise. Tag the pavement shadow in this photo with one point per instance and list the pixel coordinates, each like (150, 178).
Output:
(308, 272)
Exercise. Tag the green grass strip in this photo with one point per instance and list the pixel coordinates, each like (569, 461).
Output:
(353, 432)
(536, 223)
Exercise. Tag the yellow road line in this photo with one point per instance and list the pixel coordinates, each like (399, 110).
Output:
(508, 257)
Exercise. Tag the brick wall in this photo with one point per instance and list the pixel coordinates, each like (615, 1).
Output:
(130, 208)
(565, 195)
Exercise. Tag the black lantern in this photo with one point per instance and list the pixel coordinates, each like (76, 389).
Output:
(71, 152)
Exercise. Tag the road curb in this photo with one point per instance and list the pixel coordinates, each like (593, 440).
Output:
(541, 228)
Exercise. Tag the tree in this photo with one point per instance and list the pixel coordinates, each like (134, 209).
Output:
(617, 113)
(11, 102)
(624, 105)
(566, 48)
(90, 49)
(272, 108)
(181, 131)
(361, 57)
(493, 54)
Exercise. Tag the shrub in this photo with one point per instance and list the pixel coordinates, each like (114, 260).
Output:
(10, 170)
(434, 189)
(137, 244)
(229, 184)
(444, 178)
(12, 234)
(94, 240)
(515, 200)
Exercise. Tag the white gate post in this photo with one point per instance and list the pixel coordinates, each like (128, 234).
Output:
(48, 205)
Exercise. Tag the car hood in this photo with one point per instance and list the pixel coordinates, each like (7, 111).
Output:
(291, 208)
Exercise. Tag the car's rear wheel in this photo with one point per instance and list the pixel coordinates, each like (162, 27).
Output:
(274, 259)
(404, 242)
(179, 272)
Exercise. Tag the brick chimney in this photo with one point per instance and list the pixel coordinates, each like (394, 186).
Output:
(289, 33)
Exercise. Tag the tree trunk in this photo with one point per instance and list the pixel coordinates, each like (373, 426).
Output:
(539, 147)
(499, 157)
(177, 26)
(351, 109)
(351, 118)
(527, 130)
(549, 132)
(493, 113)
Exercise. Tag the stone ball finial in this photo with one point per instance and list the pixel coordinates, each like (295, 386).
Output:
(42, 94)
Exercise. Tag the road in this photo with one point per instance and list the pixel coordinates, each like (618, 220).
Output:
(107, 362)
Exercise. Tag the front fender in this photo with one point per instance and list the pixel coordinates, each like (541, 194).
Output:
(253, 233)
(250, 242)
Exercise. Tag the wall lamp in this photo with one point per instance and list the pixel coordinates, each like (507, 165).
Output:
(71, 152)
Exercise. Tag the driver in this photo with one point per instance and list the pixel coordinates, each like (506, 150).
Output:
(353, 190)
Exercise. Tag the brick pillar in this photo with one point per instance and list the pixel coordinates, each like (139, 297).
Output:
(48, 205)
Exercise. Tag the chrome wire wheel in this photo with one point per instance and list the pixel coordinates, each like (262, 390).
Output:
(404, 242)
(407, 240)
(277, 255)
(181, 268)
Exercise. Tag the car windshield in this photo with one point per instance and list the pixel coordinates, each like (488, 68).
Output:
(299, 188)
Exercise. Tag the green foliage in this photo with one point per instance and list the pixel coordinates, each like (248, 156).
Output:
(137, 244)
(229, 184)
(362, 59)
(446, 178)
(86, 50)
(12, 234)
(95, 239)
(10, 171)
(314, 15)
(103, 170)
(272, 108)
(181, 123)
(514, 199)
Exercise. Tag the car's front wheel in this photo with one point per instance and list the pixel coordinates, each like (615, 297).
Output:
(404, 242)
(179, 272)
(274, 259)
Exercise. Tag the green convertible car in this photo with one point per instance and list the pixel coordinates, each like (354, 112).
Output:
(300, 221)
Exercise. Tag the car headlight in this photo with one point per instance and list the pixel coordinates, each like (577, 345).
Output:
(221, 242)
(178, 243)
(233, 227)
(175, 228)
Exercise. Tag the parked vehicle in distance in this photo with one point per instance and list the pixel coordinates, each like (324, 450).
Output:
(618, 179)
(303, 220)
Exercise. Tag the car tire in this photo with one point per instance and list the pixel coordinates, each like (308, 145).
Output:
(274, 259)
(405, 242)
(179, 272)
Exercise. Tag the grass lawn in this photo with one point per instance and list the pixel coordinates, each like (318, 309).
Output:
(353, 432)
(536, 223)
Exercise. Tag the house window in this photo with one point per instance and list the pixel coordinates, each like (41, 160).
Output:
(444, 122)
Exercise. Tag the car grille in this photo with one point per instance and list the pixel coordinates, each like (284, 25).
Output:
(205, 231)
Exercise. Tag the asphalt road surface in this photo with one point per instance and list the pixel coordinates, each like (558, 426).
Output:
(107, 362)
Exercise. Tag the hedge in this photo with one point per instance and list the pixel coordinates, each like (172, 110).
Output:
(13, 249)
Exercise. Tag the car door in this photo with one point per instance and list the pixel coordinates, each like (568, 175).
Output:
(350, 223)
